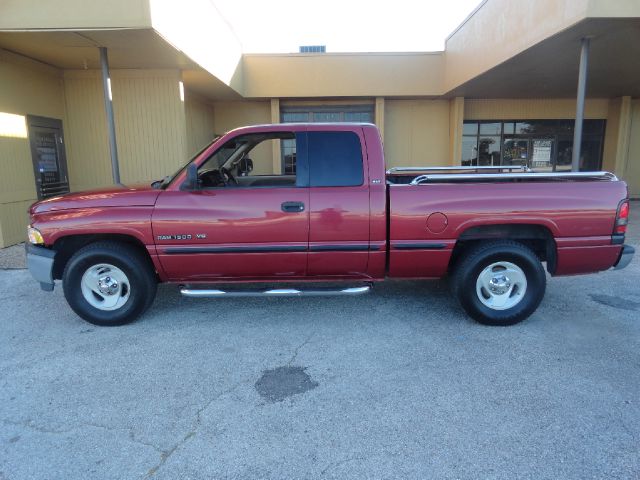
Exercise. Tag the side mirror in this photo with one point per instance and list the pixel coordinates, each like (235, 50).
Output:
(192, 177)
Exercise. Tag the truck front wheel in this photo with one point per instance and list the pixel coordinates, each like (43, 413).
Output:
(499, 283)
(109, 283)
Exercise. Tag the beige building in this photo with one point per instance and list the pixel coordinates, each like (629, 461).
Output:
(502, 92)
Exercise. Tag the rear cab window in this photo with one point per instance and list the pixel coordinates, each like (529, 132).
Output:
(335, 159)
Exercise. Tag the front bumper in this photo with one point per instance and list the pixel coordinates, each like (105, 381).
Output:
(625, 257)
(40, 264)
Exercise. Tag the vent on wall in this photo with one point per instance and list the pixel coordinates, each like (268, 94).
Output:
(313, 49)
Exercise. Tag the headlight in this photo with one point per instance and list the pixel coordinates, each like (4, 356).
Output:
(35, 236)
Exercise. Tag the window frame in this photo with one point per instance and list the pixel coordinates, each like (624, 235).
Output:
(300, 138)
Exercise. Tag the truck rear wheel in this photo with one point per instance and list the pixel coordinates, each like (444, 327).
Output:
(499, 283)
(109, 283)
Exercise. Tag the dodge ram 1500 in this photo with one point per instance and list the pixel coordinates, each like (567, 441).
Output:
(299, 204)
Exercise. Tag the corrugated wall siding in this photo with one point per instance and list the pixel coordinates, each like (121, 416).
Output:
(200, 128)
(632, 168)
(150, 126)
(86, 130)
(532, 109)
(28, 88)
(150, 123)
(416, 132)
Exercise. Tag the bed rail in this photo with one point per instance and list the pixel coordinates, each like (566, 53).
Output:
(526, 175)
(475, 168)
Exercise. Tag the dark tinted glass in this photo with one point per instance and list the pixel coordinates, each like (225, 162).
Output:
(490, 128)
(489, 150)
(509, 128)
(470, 128)
(469, 151)
(335, 159)
(593, 127)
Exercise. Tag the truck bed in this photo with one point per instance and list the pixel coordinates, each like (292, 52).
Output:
(427, 217)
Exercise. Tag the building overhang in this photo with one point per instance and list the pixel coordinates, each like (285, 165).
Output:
(190, 36)
(504, 49)
(550, 67)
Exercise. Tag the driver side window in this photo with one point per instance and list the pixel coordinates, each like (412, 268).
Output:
(253, 160)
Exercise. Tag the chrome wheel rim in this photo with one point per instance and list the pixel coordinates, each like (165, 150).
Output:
(105, 287)
(501, 285)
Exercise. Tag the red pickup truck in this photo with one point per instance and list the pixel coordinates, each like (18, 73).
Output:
(305, 204)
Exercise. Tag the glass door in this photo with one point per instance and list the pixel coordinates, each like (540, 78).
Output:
(515, 151)
(48, 156)
(535, 153)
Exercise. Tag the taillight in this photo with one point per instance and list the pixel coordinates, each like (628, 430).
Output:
(622, 218)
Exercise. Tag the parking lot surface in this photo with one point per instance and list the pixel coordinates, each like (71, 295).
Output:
(396, 384)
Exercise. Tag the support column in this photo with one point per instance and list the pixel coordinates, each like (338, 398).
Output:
(277, 149)
(582, 88)
(108, 107)
(456, 121)
(623, 137)
(379, 116)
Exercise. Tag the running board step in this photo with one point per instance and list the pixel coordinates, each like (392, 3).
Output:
(277, 292)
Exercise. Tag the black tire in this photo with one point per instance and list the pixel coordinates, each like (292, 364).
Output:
(480, 257)
(138, 270)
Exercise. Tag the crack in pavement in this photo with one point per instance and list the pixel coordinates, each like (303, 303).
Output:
(298, 348)
(339, 463)
(52, 431)
(198, 418)
(164, 456)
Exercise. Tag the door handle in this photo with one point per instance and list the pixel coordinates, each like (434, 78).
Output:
(292, 207)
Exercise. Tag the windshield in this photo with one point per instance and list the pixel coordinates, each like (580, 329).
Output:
(164, 183)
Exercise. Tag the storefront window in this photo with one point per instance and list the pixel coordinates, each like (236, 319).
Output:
(490, 128)
(543, 145)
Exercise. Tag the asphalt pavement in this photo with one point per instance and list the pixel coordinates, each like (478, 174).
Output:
(395, 384)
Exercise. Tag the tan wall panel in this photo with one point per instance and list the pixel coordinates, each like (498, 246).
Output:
(86, 131)
(13, 222)
(230, 115)
(611, 137)
(416, 132)
(539, 108)
(17, 181)
(150, 123)
(28, 87)
(632, 170)
(456, 123)
(200, 126)
(617, 8)
(341, 75)
(74, 14)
